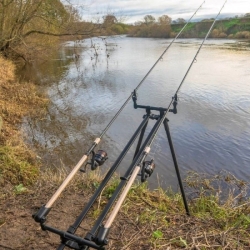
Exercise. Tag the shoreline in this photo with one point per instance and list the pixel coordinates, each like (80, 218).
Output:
(156, 219)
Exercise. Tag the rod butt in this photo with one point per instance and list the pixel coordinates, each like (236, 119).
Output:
(40, 216)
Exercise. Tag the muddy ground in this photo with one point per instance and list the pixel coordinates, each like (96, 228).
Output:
(18, 230)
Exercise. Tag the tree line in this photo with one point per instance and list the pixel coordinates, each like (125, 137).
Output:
(150, 27)
(165, 27)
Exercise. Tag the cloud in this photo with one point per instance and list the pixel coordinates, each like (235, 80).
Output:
(135, 10)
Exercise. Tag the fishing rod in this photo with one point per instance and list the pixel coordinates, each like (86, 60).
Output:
(97, 236)
(41, 214)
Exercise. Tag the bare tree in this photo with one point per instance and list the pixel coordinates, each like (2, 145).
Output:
(109, 20)
(29, 25)
(149, 19)
(180, 20)
(164, 20)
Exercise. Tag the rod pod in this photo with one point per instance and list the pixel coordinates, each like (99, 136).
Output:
(42, 213)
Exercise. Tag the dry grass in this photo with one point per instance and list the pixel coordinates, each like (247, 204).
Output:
(16, 101)
(7, 71)
(17, 161)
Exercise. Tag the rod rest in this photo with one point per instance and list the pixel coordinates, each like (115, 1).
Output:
(149, 108)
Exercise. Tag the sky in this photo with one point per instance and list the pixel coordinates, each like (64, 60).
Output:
(134, 10)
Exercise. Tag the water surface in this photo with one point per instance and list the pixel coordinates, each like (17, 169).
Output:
(211, 131)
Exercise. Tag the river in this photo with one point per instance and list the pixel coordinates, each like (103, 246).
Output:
(210, 132)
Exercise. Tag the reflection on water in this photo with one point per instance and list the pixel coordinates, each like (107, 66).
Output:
(210, 132)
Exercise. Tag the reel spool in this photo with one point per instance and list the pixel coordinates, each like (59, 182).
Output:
(147, 170)
(98, 159)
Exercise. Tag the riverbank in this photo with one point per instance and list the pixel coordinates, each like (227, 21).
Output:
(149, 219)
(18, 164)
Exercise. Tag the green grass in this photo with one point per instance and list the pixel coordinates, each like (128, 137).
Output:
(177, 27)
(230, 23)
(208, 207)
(199, 29)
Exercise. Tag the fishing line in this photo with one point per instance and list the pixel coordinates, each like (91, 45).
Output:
(195, 57)
(190, 66)
(157, 148)
(174, 99)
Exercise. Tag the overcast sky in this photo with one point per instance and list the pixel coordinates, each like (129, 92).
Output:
(135, 10)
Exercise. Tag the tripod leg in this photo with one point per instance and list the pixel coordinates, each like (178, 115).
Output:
(140, 140)
(176, 164)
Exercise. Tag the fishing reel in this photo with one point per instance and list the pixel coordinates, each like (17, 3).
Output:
(147, 169)
(97, 160)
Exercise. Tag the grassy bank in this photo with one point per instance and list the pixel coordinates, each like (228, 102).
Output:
(18, 164)
(232, 28)
(149, 219)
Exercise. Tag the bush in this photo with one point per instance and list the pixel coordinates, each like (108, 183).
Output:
(118, 29)
(243, 34)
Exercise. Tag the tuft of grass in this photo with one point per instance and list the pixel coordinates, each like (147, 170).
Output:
(19, 189)
(111, 187)
(17, 165)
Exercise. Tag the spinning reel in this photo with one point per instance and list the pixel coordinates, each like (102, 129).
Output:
(97, 160)
(147, 169)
